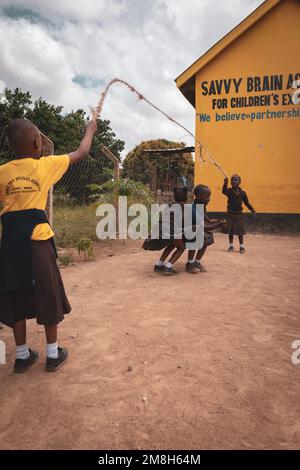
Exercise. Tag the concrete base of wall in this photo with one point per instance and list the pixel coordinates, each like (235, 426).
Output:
(264, 222)
(267, 223)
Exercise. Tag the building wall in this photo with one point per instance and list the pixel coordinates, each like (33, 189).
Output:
(265, 151)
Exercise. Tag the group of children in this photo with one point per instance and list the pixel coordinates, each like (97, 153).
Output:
(234, 225)
(30, 282)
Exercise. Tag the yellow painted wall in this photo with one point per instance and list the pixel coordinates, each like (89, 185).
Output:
(266, 152)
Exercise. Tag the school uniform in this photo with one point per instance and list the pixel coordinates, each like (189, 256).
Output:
(153, 244)
(208, 236)
(30, 282)
(235, 218)
(166, 231)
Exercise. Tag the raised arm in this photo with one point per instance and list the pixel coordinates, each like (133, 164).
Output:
(225, 189)
(85, 145)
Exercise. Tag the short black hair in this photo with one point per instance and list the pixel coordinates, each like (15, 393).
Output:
(200, 189)
(20, 134)
(180, 194)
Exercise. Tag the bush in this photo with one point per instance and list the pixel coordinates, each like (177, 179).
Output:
(110, 191)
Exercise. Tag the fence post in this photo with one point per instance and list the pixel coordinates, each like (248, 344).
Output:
(116, 163)
(116, 171)
(48, 149)
(153, 176)
(114, 159)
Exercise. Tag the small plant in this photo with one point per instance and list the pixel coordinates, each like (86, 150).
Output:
(110, 191)
(85, 246)
(65, 260)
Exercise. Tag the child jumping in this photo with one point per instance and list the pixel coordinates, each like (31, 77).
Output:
(202, 196)
(30, 281)
(177, 246)
(235, 219)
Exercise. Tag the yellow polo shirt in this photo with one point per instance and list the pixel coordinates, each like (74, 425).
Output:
(24, 184)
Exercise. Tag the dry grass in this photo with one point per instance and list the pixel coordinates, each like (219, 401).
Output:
(73, 223)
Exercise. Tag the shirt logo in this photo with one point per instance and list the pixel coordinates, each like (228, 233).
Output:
(15, 186)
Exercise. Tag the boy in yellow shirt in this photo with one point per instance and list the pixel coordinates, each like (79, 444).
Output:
(30, 282)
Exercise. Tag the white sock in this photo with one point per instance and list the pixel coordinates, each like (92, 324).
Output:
(168, 264)
(230, 245)
(191, 261)
(159, 263)
(242, 245)
(52, 351)
(22, 352)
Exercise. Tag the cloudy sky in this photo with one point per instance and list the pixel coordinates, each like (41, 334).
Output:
(66, 51)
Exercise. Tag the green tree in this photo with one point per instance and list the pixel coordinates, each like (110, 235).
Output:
(14, 103)
(135, 163)
(50, 120)
(66, 131)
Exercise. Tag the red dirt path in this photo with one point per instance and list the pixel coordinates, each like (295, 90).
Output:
(192, 361)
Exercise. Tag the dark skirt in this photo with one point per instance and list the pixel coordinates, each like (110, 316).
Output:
(160, 244)
(208, 239)
(47, 301)
(152, 244)
(235, 223)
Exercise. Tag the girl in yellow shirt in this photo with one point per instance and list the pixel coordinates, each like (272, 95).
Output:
(30, 281)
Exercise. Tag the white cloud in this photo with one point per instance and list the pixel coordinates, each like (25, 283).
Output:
(79, 10)
(147, 43)
(2, 86)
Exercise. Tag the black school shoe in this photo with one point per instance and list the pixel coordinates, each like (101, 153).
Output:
(159, 269)
(191, 268)
(21, 365)
(53, 364)
(200, 267)
(169, 271)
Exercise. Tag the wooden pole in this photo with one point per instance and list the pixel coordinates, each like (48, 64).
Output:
(48, 149)
(116, 163)
(114, 159)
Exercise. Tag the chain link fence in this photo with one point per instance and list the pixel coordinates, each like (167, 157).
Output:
(71, 208)
(74, 207)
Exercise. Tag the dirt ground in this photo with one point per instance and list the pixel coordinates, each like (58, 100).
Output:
(183, 362)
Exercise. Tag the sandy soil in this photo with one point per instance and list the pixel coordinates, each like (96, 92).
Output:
(188, 362)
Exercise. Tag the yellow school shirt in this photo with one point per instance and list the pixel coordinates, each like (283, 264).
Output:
(24, 184)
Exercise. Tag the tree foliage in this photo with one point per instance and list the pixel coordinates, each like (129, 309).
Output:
(66, 131)
(136, 162)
